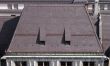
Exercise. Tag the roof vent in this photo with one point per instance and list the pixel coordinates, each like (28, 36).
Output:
(66, 35)
(41, 36)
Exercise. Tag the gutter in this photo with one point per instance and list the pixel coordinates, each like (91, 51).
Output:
(5, 57)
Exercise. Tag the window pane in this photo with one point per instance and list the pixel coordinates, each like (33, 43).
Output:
(69, 63)
(46, 63)
(101, 7)
(20, 63)
(88, 63)
(17, 63)
(20, 6)
(85, 63)
(3, 6)
(92, 64)
(63, 63)
(40, 63)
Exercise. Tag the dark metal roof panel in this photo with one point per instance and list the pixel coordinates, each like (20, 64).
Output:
(104, 0)
(55, 17)
(7, 26)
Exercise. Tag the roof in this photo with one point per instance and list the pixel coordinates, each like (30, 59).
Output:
(7, 27)
(101, 1)
(106, 31)
(42, 1)
(51, 1)
(104, 0)
(51, 23)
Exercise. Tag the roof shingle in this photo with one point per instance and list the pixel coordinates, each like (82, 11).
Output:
(106, 31)
(55, 18)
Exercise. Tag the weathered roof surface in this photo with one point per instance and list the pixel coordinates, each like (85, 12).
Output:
(54, 19)
(99, 1)
(50, 1)
(106, 31)
(42, 1)
(104, 0)
(35, 0)
(91, 0)
(105, 12)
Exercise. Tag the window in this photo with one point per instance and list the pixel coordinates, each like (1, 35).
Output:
(20, 6)
(101, 7)
(108, 6)
(43, 63)
(90, 7)
(105, 7)
(66, 63)
(3, 6)
(88, 63)
(20, 63)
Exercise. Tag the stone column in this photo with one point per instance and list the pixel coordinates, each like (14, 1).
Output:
(10, 6)
(8, 63)
(73, 63)
(13, 6)
(109, 62)
(77, 63)
(30, 63)
(52, 63)
(100, 63)
(80, 63)
(35, 63)
(16, 6)
(12, 63)
(58, 63)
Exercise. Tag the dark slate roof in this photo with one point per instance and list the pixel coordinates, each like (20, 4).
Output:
(106, 12)
(7, 27)
(94, 21)
(106, 31)
(52, 21)
(34, 0)
(91, 0)
(42, 1)
(39, 1)
(104, 0)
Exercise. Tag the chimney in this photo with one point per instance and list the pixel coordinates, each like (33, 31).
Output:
(96, 7)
